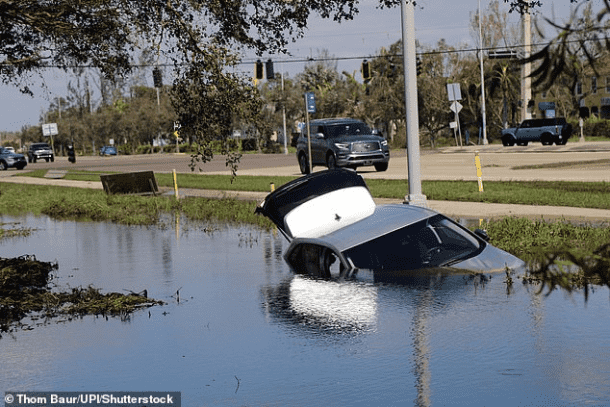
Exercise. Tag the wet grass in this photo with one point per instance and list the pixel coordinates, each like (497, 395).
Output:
(558, 253)
(94, 205)
(550, 193)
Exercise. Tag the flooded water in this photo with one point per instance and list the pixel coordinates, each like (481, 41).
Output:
(247, 331)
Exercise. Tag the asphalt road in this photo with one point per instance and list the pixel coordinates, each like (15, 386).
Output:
(587, 162)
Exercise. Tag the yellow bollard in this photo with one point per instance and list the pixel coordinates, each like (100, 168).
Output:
(477, 162)
(175, 185)
(272, 186)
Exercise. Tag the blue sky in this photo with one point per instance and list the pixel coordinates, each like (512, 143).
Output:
(362, 37)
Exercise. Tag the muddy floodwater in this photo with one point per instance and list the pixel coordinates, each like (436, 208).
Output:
(241, 329)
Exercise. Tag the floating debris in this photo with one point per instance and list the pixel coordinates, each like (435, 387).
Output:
(25, 289)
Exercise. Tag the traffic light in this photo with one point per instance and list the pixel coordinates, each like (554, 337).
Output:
(258, 69)
(269, 68)
(157, 77)
(366, 70)
(418, 63)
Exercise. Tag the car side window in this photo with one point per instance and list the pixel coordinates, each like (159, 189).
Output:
(455, 242)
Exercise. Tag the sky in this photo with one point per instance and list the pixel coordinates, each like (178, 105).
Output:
(349, 42)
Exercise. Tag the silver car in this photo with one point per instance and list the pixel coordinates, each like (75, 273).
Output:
(330, 217)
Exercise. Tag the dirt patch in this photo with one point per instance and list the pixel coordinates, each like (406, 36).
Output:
(580, 165)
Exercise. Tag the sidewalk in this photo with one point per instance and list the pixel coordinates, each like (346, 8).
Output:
(453, 209)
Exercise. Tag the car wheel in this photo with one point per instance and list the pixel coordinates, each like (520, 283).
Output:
(546, 139)
(3, 166)
(303, 164)
(46, 159)
(381, 167)
(52, 158)
(508, 141)
(331, 162)
(33, 159)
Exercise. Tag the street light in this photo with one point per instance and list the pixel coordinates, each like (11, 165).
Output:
(415, 196)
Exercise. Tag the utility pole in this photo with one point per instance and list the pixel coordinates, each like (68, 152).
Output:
(483, 118)
(415, 196)
(284, 112)
(526, 81)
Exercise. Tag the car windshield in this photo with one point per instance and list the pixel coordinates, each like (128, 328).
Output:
(433, 242)
(348, 129)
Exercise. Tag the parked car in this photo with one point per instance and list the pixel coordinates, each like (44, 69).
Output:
(39, 151)
(330, 215)
(342, 143)
(108, 150)
(10, 159)
(9, 148)
(545, 131)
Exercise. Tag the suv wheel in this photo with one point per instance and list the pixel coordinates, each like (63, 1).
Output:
(303, 164)
(546, 139)
(508, 141)
(331, 162)
(381, 167)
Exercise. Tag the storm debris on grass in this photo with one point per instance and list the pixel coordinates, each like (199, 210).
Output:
(24, 290)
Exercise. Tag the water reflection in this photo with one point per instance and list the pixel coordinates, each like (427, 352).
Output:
(292, 339)
(326, 307)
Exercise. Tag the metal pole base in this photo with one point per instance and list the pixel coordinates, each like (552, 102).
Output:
(416, 200)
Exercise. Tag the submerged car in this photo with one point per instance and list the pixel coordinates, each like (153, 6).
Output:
(10, 159)
(331, 215)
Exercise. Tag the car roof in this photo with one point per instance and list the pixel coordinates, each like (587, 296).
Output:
(385, 219)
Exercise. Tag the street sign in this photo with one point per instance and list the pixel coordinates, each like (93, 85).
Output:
(546, 105)
(454, 92)
(49, 129)
(456, 107)
(310, 100)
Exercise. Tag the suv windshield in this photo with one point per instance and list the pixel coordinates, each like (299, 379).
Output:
(351, 129)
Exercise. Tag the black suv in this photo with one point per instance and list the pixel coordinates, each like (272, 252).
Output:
(39, 151)
(342, 143)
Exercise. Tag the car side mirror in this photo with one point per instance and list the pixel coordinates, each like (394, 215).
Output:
(482, 234)
(319, 135)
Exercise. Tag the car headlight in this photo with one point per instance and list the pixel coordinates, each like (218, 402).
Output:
(342, 146)
(384, 143)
